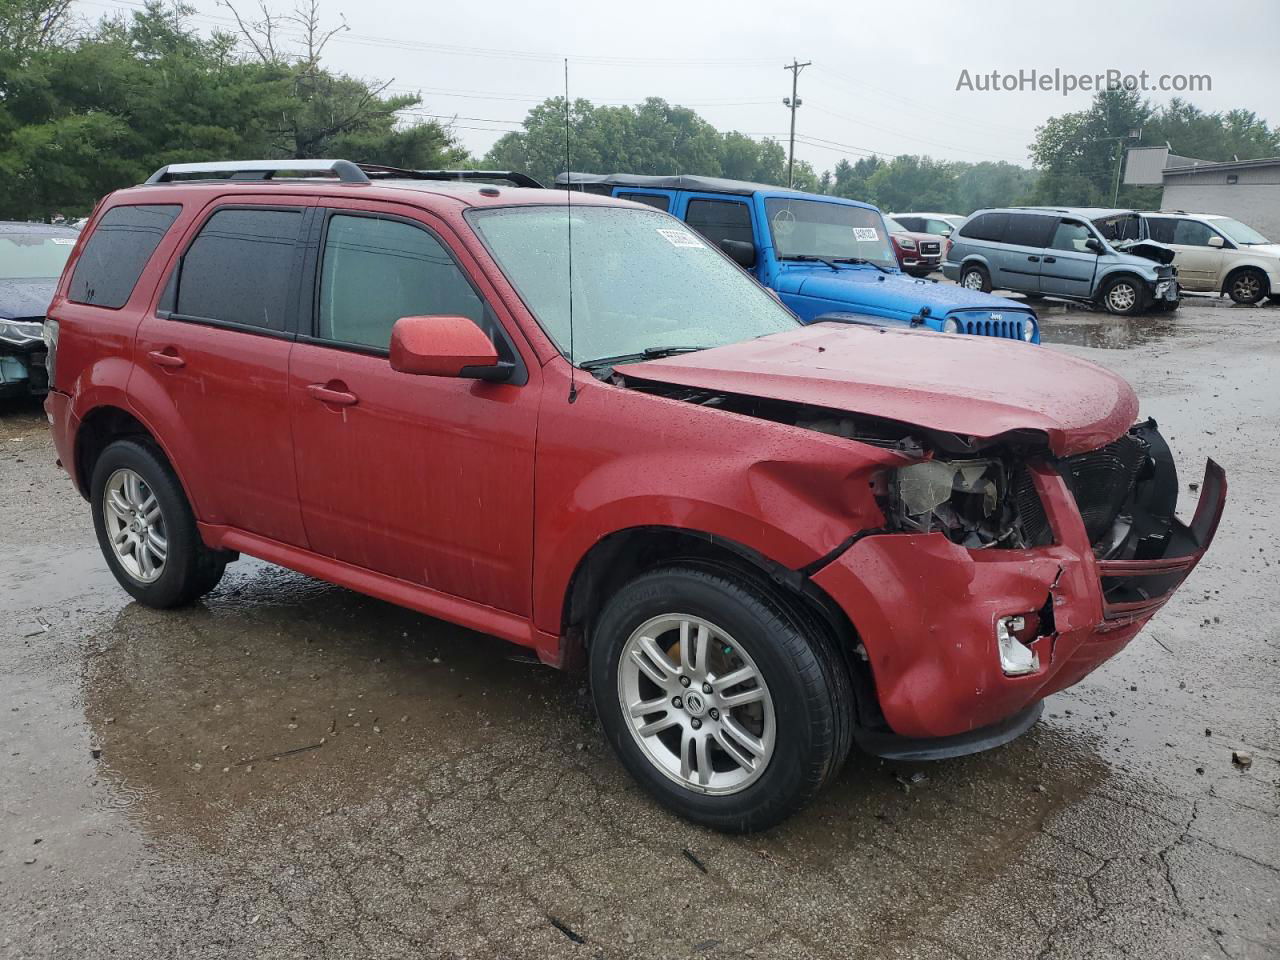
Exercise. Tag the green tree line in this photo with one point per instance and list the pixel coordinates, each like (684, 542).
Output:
(88, 108)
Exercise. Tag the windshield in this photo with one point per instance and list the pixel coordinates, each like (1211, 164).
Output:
(837, 231)
(641, 281)
(894, 226)
(1239, 232)
(33, 256)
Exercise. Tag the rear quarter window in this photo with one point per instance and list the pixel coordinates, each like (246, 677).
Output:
(117, 251)
(987, 226)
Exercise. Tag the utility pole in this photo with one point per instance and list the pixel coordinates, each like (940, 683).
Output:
(793, 102)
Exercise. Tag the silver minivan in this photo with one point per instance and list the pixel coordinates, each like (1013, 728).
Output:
(1077, 253)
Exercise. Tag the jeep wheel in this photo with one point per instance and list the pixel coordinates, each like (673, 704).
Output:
(727, 706)
(1247, 286)
(975, 278)
(1124, 296)
(146, 529)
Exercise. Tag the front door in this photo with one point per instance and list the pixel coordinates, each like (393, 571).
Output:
(1068, 265)
(215, 358)
(1016, 264)
(426, 479)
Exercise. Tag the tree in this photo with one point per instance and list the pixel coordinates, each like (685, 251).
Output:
(653, 137)
(988, 184)
(1076, 154)
(912, 183)
(850, 179)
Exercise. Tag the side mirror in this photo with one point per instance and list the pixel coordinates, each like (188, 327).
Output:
(1216, 241)
(741, 252)
(445, 346)
(1094, 244)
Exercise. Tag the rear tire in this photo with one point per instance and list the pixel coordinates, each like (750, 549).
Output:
(146, 528)
(1124, 296)
(1247, 286)
(974, 277)
(737, 758)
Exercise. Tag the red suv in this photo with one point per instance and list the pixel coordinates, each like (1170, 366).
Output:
(570, 422)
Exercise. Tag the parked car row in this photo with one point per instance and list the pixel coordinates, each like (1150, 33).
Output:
(574, 422)
(1124, 260)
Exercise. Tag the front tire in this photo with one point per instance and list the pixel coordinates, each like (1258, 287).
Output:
(146, 528)
(1124, 296)
(1247, 286)
(727, 705)
(975, 277)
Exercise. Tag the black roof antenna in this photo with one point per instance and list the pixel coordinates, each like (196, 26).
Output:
(573, 363)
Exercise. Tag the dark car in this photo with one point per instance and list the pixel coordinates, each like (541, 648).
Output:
(31, 260)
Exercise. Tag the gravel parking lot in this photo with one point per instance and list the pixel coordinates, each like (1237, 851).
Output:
(293, 770)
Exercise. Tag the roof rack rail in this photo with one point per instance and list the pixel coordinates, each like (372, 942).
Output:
(515, 178)
(344, 170)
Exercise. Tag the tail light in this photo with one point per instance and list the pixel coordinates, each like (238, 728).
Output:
(946, 250)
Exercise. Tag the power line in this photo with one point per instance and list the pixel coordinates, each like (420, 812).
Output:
(907, 136)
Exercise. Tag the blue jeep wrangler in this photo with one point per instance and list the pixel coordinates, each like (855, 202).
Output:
(827, 258)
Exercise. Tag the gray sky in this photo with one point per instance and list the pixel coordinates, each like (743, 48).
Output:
(883, 79)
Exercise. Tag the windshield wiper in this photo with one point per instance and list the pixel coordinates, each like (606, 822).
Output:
(861, 261)
(813, 259)
(648, 353)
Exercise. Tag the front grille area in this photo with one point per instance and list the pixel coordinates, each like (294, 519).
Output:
(1031, 515)
(930, 248)
(1101, 481)
(987, 327)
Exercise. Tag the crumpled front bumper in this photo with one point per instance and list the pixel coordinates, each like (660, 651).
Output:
(925, 610)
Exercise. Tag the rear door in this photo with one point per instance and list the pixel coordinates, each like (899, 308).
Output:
(213, 359)
(718, 217)
(1068, 265)
(662, 200)
(1021, 252)
(426, 479)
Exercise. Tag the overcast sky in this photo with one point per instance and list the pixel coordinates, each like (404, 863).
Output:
(883, 79)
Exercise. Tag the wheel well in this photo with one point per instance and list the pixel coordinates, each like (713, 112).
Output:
(624, 555)
(974, 261)
(101, 427)
(1266, 280)
(1111, 278)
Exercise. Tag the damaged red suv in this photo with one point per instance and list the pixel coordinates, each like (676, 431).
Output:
(571, 423)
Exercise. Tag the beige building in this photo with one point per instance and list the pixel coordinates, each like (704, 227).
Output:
(1248, 190)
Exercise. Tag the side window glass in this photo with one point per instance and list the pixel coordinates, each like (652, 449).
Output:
(989, 226)
(940, 227)
(1071, 236)
(720, 220)
(1028, 230)
(239, 269)
(659, 201)
(375, 271)
(973, 229)
(1191, 233)
(1160, 230)
(117, 251)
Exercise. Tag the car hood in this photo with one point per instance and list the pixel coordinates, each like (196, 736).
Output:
(26, 298)
(916, 236)
(972, 386)
(866, 286)
(1146, 250)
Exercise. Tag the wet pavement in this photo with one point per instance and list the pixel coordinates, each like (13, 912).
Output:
(293, 770)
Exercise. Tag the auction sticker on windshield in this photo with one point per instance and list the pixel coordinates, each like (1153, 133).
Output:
(681, 238)
(866, 233)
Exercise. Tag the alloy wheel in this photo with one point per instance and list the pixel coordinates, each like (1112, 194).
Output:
(972, 280)
(1246, 288)
(1122, 297)
(135, 525)
(696, 703)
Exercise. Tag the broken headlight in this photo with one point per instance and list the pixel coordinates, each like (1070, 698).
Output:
(21, 333)
(966, 500)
